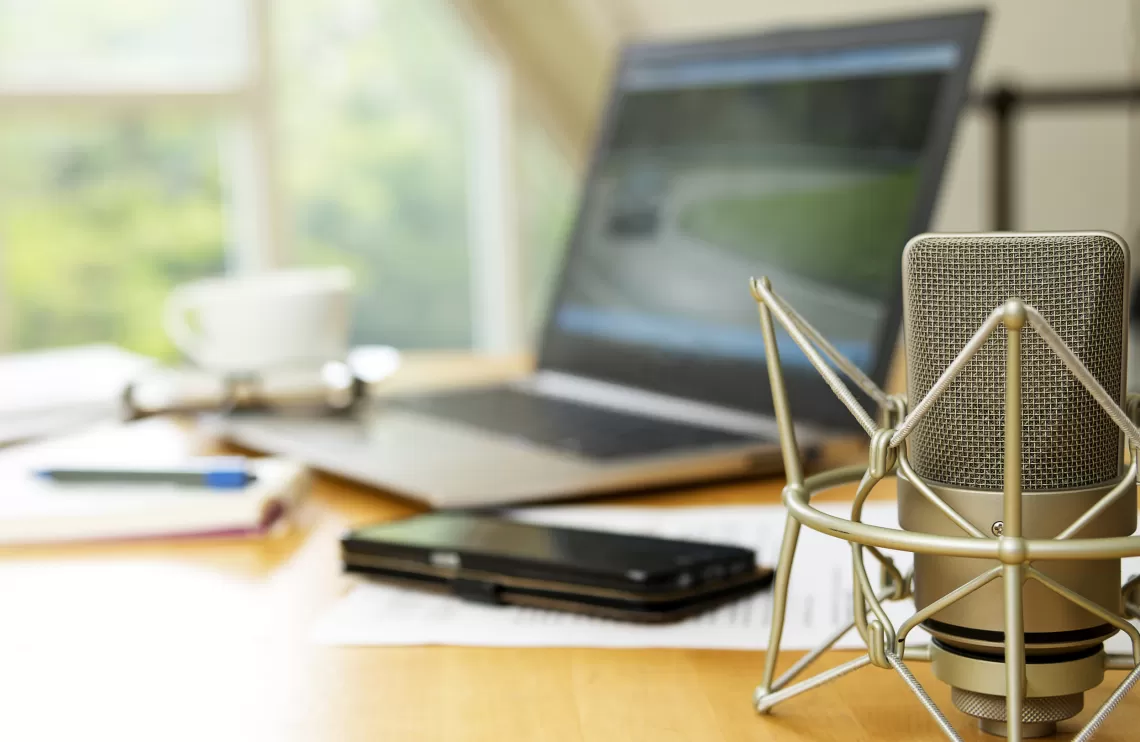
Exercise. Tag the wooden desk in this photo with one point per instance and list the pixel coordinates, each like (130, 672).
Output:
(208, 640)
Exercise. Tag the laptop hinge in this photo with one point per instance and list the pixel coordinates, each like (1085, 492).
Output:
(653, 404)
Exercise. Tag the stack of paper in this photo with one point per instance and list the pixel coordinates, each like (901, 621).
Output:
(51, 391)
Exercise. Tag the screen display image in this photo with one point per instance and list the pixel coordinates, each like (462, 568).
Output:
(801, 167)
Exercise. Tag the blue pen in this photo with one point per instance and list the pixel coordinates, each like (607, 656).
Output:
(217, 472)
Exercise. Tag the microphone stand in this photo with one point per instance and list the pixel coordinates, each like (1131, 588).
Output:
(885, 643)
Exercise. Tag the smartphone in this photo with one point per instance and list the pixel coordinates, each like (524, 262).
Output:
(497, 560)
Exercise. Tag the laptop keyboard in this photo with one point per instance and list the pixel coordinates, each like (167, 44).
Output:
(593, 432)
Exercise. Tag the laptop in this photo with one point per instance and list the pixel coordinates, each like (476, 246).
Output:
(809, 156)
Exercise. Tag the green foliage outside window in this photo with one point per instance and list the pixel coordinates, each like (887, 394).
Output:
(103, 211)
(99, 218)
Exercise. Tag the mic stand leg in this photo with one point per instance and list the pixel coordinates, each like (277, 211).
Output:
(779, 608)
(768, 700)
(793, 471)
(765, 696)
(1108, 706)
(919, 653)
(923, 697)
(801, 664)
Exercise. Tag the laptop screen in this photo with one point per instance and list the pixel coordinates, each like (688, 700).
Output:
(806, 166)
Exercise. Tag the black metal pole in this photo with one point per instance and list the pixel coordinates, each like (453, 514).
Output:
(1002, 102)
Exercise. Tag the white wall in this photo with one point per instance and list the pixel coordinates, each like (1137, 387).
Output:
(1074, 168)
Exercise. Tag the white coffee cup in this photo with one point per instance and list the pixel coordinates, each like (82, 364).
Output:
(286, 319)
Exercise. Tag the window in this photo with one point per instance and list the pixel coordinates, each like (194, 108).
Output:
(374, 108)
(144, 143)
(114, 184)
(93, 45)
(100, 217)
(547, 190)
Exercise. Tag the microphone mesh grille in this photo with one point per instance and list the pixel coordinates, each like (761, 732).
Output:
(951, 284)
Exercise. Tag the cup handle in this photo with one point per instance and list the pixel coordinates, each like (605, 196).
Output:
(179, 304)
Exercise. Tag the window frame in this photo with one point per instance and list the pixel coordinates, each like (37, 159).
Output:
(255, 207)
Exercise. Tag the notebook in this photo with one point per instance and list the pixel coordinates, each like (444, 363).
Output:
(37, 510)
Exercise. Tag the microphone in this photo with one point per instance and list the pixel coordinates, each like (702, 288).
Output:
(1012, 490)
(1071, 455)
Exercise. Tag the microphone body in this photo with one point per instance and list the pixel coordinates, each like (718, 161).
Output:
(1072, 455)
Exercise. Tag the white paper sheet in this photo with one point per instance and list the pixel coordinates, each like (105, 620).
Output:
(819, 601)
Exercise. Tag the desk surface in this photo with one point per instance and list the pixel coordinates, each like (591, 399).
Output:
(208, 640)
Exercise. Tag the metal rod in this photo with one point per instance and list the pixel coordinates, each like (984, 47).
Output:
(924, 489)
(1085, 95)
(1013, 576)
(844, 364)
(1079, 370)
(793, 466)
(827, 644)
(1097, 610)
(866, 485)
(782, 580)
(1116, 547)
(859, 603)
(780, 599)
(816, 483)
(1002, 106)
(892, 538)
(811, 657)
(761, 291)
(1128, 484)
(863, 584)
(1013, 573)
(1005, 102)
(1108, 706)
(891, 572)
(923, 697)
(796, 500)
(768, 700)
(1011, 494)
(947, 600)
(968, 351)
(793, 471)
